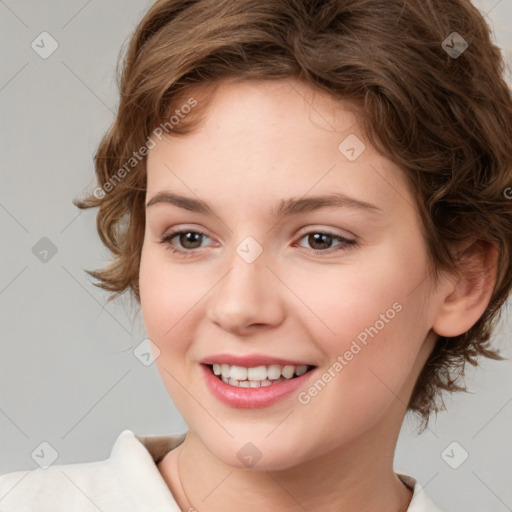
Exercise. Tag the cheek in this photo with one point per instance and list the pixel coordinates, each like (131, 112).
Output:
(338, 301)
(369, 315)
(166, 297)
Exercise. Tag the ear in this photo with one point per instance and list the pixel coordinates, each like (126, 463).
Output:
(465, 296)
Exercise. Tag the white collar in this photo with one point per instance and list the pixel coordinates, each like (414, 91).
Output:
(420, 502)
(134, 458)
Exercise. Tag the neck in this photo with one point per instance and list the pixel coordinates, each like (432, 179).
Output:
(355, 477)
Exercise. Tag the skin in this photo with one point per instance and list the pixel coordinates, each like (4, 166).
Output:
(262, 142)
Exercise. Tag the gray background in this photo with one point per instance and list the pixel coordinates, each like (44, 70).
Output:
(68, 374)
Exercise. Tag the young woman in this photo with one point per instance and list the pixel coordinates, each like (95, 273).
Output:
(308, 199)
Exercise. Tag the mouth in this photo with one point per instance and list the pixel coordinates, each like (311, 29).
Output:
(257, 376)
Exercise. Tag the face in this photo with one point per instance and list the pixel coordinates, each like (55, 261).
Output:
(341, 288)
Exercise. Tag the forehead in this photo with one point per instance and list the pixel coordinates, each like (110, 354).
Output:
(273, 139)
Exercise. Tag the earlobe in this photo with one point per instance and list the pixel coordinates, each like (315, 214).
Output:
(464, 300)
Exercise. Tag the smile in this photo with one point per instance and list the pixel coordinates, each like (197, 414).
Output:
(262, 386)
(258, 376)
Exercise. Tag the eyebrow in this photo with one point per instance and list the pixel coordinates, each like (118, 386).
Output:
(284, 208)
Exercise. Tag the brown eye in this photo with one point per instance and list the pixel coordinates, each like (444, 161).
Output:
(320, 242)
(188, 241)
(189, 237)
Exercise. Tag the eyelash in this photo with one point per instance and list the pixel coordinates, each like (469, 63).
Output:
(344, 242)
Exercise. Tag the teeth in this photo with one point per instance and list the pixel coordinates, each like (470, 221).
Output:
(239, 373)
(225, 370)
(274, 372)
(257, 373)
(257, 376)
(251, 383)
(288, 371)
(301, 370)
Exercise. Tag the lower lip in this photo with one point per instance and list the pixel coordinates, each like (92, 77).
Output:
(251, 398)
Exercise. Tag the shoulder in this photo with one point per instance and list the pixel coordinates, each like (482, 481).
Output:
(127, 481)
(82, 486)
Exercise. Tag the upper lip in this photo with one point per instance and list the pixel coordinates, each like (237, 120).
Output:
(251, 360)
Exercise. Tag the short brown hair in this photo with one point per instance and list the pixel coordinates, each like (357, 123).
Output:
(445, 119)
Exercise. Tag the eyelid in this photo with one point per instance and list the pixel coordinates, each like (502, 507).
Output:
(330, 231)
(303, 231)
(179, 229)
(345, 243)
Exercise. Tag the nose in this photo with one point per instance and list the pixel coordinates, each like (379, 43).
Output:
(249, 297)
